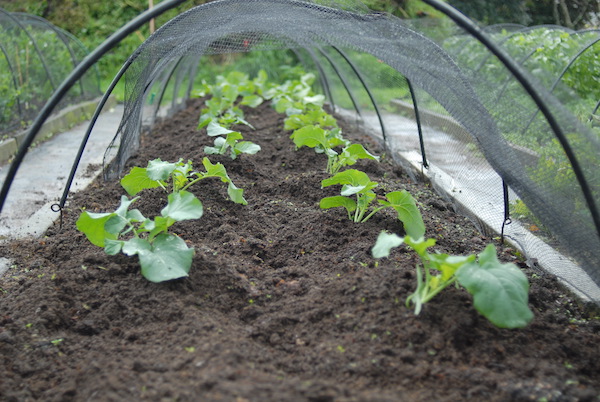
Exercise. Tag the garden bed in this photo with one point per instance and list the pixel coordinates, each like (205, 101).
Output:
(283, 301)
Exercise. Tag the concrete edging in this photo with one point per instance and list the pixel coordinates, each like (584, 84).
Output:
(56, 123)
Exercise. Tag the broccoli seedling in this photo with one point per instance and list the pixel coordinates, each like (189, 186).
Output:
(230, 141)
(324, 141)
(180, 176)
(358, 184)
(500, 291)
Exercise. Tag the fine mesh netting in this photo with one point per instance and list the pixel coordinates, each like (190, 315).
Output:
(440, 101)
(35, 56)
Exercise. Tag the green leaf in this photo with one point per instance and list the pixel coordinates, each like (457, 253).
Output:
(353, 181)
(113, 247)
(205, 119)
(385, 243)
(408, 213)
(251, 100)
(183, 205)
(115, 224)
(309, 136)
(236, 194)
(169, 259)
(293, 122)
(138, 180)
(338, 201)
(500, 291)
(282, 104)
(247, 147)
(419, 245)
(92, 225)
(136, 246)
(352, 153)
(135, 216)
(448, 264)
(318, 100)
(212, 150)
(120, 219)
(348, 190)
(161, 225)
(215, 169)
(159, 170)
(215, 129)
(233, 137)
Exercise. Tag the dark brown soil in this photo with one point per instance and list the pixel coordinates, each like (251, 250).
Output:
(283, 302)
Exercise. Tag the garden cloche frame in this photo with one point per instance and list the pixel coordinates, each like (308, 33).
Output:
(427, 70)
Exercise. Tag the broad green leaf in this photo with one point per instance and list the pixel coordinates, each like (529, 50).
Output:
(115, 224)
(169, 258)
(282, 105)
(148, 225)
(261, 78)
(293, 110)
(236, 194)
(352, 153)
(348, 190)
(135, 216)
(293, 122)
(92, 225)
(308, 79)
(135, 246)
(247, 147)
(338, 201)
(113, 247)
(212, 150)
(419, 245)
(318, 100)
(500, 291)
(138, 180)
(215, 129)
(124, 206)
(160, 170)
(408, 212)
(120, 219)
(183, 205)
(205, 120)
(309, 136)
(251, 100)
(448, 264)
(385, 243)
(237, 78)
(233, 137)
(215, 169)
(161, 225)
(352, 180)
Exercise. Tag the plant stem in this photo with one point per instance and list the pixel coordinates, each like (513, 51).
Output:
(372, 213)
(196, 180)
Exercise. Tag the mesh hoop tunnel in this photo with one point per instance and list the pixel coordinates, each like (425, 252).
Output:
(422, 62)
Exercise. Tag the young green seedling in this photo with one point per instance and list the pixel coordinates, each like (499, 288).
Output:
(500, 291)
(180, 176)
(324, 141)
(312, 115)
(293, 96)
(358, 184)
(230, 141)
(163, 256)
(223, 107)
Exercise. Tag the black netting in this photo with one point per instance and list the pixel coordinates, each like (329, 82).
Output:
(480, 129)
(35, 57)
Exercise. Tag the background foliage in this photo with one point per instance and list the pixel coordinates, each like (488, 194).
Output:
(93, 21)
